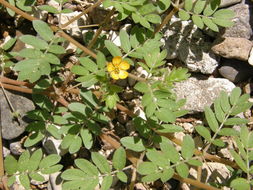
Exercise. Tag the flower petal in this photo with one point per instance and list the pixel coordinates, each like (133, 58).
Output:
(116, 60)
(114, 75)
(110, 67)
(124, 65)
(123, 74)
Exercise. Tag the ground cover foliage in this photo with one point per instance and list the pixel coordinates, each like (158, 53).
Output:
(80, 123)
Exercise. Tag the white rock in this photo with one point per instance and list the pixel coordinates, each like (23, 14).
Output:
(55, 181)
(185, 41)
(250, 60)
(200, 93)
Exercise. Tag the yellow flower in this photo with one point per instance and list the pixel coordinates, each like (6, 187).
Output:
(117, 68)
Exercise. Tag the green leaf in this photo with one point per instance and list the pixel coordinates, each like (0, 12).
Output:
(51, 58)
(88, 64)
(219, 143)
(183, 15)
(146, 168)
(199, 6)
(33, 41)
(43, 30)
(54, 131)
(79, 70)
(210, 24)
(37, 177)
(107, 182)
(183, 170)
(165, 115)
(146, 9)
(198, 21)
(49, 161)
(169, 151)
(101, 60)
(211, 120)
(228, 132)
(111, 100)
(11, 12)
(112, 48)
(133, 143)
(124, 41)
(142, 87)
(163, 5)
(250, 140)
(87, 138)
(236, 121)
(240, 147)
(220, 115)
(224, 14)
(223, 22)
(22, 161)
(10, 165)
(167, 174)
(86, 166)
(75, 145)
(35, 160)
(244, 136)
(188, 5)
(153, 18)
(73, 174)
(89, 97)
(9, 43)
(151, 177)
(49, 9)
(122, 176)
(211, 7)
(204, 132)
(101, 162)
(195, 162)
(169, 128)
(11, 180)
(158, 158)
(144, 22)
(52, 169)
(24, 180)
(188, 147)
(239, 160)
(119, 158)
(57, 49)
(239, 184)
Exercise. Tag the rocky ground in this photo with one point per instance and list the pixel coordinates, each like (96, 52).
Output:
(217, 62)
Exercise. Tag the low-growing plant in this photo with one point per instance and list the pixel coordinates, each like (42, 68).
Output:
(93, 78)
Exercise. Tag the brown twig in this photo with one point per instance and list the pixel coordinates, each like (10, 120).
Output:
(83, 13)
(98, 32)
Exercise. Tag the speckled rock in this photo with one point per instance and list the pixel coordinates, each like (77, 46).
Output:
(185, 41)
(11, 127)
(226, 3)
(233, 48)
(235, 70)
(242, 22)
(201, 92)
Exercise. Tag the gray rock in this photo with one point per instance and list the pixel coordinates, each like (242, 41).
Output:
(185, 41)
(233, 48)
(200, 93)
(242, 22)
(235, 70)
(11, 127)
(16, 148)
(226, 3)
